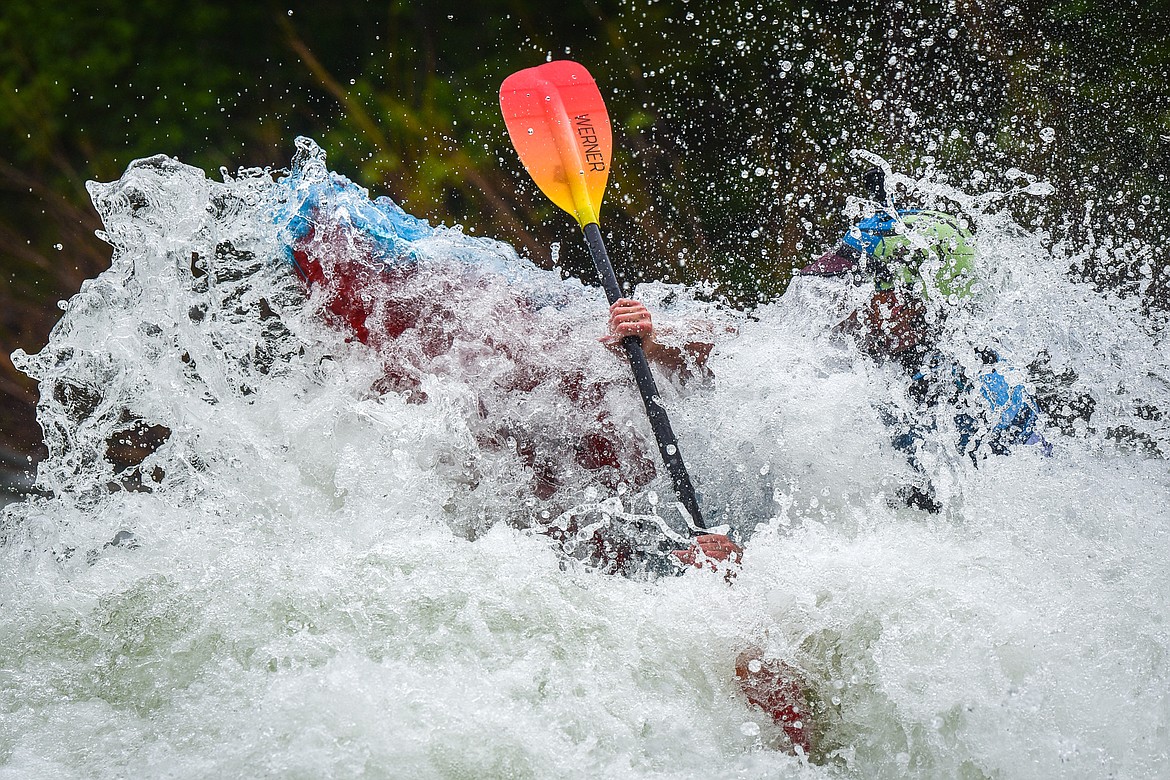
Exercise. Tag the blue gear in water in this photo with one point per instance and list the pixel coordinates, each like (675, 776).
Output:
(314, 196)
(1011, 412)
(1008, 417)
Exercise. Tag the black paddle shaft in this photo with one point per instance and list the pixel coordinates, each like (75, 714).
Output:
(667, 444)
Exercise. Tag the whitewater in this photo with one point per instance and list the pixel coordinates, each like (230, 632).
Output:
(298, 571)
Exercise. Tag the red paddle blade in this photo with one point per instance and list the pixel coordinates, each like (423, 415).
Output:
(558, 124)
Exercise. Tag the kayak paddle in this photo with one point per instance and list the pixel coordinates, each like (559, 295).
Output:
(557, 121)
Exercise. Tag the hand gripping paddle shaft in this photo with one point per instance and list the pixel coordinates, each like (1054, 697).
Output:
(559, 126)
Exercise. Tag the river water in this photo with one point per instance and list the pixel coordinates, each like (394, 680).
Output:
(255, 560)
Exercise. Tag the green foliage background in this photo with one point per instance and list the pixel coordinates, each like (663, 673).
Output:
(733, 121)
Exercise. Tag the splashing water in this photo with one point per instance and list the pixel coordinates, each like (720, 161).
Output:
(269, 548)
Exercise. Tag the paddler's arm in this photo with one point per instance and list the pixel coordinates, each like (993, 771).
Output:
(628, 317)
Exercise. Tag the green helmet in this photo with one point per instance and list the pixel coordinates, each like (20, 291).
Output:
(897, 250)
(913, 247)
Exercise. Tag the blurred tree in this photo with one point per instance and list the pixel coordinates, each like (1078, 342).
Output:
(84, 91)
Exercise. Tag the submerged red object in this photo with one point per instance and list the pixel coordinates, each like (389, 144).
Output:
(779, 690)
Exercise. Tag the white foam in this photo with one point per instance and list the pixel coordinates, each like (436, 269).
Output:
(328, 580)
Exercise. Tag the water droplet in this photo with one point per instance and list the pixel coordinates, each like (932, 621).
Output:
(1048, 135)
(750, 729)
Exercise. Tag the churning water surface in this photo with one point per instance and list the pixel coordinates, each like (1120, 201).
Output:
(253, 559)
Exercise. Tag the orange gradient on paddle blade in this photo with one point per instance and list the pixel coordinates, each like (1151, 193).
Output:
(558, 123)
